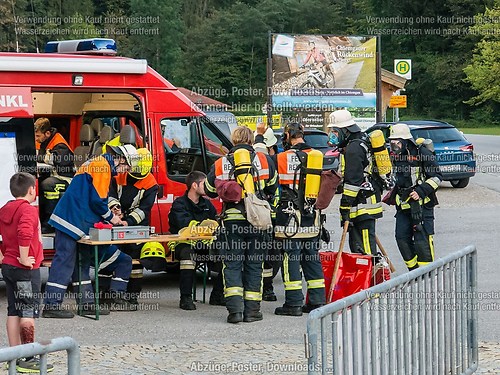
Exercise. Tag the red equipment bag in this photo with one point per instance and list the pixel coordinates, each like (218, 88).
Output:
(354, 273)
(381, 272)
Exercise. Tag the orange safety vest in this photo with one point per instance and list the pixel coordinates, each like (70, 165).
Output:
(142, 184)
(57, 139)
(223, 168)
(288, 162)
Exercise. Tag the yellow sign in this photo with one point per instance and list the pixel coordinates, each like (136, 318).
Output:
(397, 101)
(251, 121)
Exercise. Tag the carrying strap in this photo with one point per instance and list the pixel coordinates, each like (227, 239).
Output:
(252, 171)
(301, 170)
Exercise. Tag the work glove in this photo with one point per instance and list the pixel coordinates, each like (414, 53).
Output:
(325, 235)
(344, 215)
(416, 212)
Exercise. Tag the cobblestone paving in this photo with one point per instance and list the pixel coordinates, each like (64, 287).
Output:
(489, 358)
(205, 358)
(213, 358)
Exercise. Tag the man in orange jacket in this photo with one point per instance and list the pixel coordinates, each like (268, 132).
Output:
(56, 153)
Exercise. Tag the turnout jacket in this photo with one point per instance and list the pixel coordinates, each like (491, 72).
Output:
(265, 180)
(185, 212)
(85, 201)
(308, 224)
(56, 152)
(362, 186)
(135, 196)
(417, 170)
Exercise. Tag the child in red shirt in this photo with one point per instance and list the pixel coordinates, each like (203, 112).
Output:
(21, 255)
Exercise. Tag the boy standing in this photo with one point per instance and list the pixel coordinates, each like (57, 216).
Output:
(22, 253)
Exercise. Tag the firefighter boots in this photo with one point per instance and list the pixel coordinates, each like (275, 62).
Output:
(307, 308)
(252, 316)
(268, 294)
(289, 310)
(187, 303)
(235, 317)
(217, 299)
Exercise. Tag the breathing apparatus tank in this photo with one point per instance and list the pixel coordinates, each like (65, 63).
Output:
(242, 166)
(313, 176)
(382, 160)
(425, 142)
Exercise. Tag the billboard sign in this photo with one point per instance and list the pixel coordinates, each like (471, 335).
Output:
(322, 73)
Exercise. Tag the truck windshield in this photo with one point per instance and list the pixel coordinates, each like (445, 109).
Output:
(179, 134)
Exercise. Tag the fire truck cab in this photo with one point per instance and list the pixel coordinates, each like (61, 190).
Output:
(91, 100)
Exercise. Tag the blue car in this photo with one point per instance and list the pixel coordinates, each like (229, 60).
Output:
(454, 153)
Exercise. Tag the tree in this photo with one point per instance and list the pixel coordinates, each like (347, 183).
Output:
(227, 54)
(484, 71)
(155, 33)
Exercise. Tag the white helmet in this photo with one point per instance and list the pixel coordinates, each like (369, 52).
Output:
(341, 118)
(129, 152)
(269, 138)
(400, 131)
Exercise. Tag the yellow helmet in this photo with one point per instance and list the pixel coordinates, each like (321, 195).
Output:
(153, 250)
(142, 165)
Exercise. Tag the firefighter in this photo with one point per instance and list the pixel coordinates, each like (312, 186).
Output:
(189, 210)
(56, 152)
(266, 142)
(417, 179)
(83, 204)
(362, 186)
(298, 226)
(244, 251)
(134, 194)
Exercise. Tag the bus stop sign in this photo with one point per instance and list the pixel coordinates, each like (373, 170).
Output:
(403, 68)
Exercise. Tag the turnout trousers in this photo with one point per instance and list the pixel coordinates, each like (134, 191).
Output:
(362, 237)
(242, 265)
(51, 191)
(189, 257)
(113, 271)
(64, 269)
(415, 242)
(302, 253)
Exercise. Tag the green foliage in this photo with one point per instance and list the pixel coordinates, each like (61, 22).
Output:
(484, 71)
(483, 131)
(226, 54)
(222, 45)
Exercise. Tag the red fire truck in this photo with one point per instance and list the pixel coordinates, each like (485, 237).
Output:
(84, 94)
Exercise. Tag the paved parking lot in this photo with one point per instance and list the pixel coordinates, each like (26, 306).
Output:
(162, 339)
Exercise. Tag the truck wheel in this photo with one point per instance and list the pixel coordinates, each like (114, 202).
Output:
(459, 184)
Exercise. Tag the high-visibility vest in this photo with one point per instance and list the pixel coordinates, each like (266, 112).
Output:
(57, 139)
(224, 169)
(289, 175)
(288, 168)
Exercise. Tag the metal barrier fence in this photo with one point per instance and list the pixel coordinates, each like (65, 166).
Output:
(421, 322)
(11, 354)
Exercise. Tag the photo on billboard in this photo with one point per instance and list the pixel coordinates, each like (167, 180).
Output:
(322, 73)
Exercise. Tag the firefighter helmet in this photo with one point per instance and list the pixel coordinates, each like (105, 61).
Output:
(269, 138)
(400, 131)
(129, 152)
(152, 250)
(142, 164)
(342, 118)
